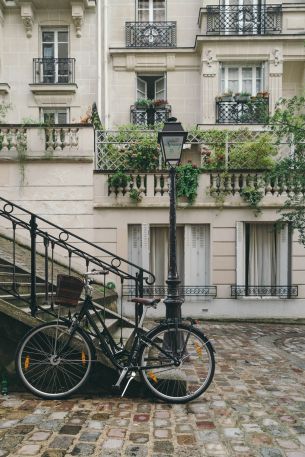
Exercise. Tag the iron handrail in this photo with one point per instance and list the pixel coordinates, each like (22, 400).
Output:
(116, 266)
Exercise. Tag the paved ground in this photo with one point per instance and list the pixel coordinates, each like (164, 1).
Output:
(255, 407)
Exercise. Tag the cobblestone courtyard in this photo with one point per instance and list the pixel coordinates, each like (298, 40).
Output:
(255, 407)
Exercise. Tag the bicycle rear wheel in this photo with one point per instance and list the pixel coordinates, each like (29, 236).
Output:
(178, 364)
(51, 363)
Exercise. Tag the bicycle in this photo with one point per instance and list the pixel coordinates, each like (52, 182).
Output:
(175, 360)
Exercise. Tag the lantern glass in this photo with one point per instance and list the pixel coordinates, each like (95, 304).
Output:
(172, 147)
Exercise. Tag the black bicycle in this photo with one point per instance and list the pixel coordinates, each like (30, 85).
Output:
(175, 359)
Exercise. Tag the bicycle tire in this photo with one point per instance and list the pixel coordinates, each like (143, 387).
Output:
(183, 383)
(40, 371)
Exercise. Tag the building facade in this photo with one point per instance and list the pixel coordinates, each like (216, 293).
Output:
(215, 65)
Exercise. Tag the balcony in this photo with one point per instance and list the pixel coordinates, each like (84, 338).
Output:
(264, 291)
(54, 71)
(149, 116)
(253, 111)
(61, 142)
(244, 20)
(151, 35)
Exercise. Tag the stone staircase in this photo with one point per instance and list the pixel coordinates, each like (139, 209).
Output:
(15, 316)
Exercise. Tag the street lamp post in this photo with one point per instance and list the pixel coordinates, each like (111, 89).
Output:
(171, 140)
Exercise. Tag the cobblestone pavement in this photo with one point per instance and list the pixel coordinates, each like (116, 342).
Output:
(255, 407)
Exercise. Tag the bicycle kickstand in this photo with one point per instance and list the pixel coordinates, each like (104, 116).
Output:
(124, 373)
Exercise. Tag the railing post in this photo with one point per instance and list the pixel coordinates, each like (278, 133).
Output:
(33, 231)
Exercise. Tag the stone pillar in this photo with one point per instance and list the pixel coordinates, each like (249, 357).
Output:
(209, 87)
(275, 78)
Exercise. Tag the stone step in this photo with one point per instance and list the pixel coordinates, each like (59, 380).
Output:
(20, 287)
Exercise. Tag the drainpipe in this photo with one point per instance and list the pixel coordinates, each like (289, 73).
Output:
(105, 65)
(99, 57)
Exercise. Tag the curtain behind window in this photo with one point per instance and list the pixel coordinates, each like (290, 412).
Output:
(263, 266)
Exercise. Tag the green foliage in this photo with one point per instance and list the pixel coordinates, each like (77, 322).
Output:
(143, 103)
(252, 196)
(135, 195)
(187, 181)
(253, 155)
(4, 108)
(143, 155)
(119, 179)
(288, 123)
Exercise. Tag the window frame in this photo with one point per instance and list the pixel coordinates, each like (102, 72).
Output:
(55, 111)
(151, 10)
(224, 76)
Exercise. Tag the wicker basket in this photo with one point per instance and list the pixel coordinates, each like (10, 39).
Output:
(68, 290)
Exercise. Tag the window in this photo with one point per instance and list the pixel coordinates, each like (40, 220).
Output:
(55, 51)
(54, 116)
(151, 10)
(242, 78)
(151, 86)
(148, 247)
(241, 16)
(262, 255)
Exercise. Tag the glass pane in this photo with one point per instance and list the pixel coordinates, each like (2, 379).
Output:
(62, 118)
(143, 4)
(63, 37)
(247, 73)
(48, 37)
(159, 4)
(48, 51)
(143, 16)
(233, 73)
(160, 89)
(49, 118)
(247, 86)
(141, 88)
(62, 50)
(159, 15)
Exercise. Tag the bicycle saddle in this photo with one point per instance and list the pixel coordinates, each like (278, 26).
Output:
(146, 301)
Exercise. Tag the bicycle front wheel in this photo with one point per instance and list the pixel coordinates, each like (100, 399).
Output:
(177, 364)
(51, 362)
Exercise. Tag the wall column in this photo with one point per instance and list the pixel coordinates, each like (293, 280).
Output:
(275, 77)
(209, 87)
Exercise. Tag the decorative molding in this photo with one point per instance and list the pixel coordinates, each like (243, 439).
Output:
(27, 17)
(78, 17)
(209, 57)
(209, 75)
(275, 75)
(171, 62)
(277, 57)
(130, 62)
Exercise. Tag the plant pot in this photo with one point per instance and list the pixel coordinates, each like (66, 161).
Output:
(226, 98)
(242, 98)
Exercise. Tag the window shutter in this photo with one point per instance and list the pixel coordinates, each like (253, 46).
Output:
(197, 255)
(145, 246)
(282, 257)
(160, 88)
(240, 253)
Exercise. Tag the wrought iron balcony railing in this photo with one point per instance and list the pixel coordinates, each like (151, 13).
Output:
(254, 111)
(151, 35)
(244, 20)
(53, 71)
(149, 116)
(264, 291)
(162, 291)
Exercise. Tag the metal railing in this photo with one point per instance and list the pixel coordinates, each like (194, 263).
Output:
(53, 71)
(162, 291)
(244, 20)
(149, 116)
(264, 291)
(56, 245)
(151, 35)
(254, 111)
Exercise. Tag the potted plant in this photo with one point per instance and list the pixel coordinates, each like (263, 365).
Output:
(227, 96)
(263, 94)
(144, 103)
(242, 97)
(159, 103)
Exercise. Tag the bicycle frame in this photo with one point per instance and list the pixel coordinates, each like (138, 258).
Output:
(111, 349)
